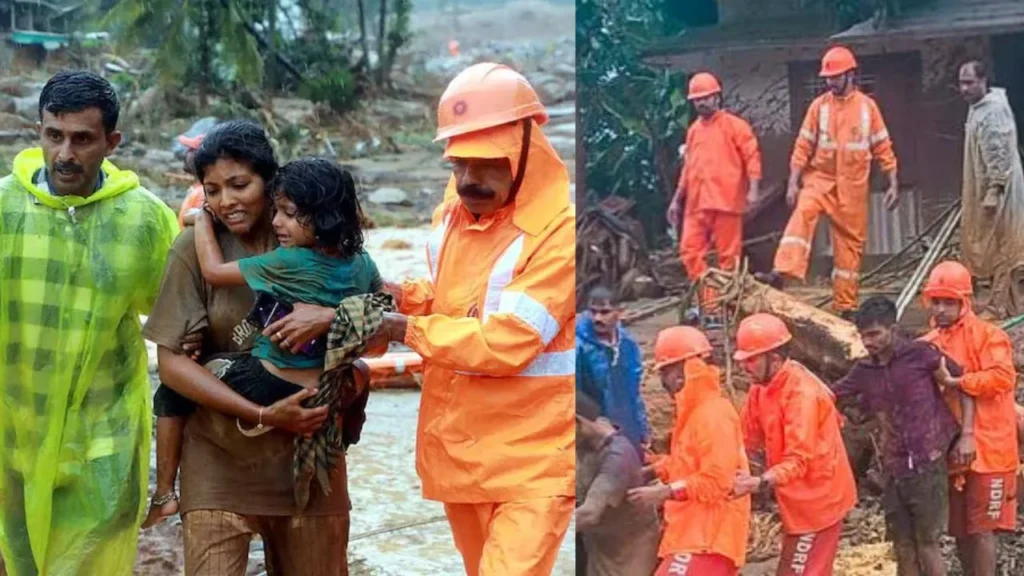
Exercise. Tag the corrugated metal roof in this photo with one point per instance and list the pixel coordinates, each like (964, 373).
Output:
(945, 18)
(747, 35)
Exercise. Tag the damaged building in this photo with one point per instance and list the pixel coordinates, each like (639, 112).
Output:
(767, 54)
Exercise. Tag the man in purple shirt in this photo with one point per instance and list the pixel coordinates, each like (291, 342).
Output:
(897, 384)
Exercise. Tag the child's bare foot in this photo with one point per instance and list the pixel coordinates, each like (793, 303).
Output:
(160, 509)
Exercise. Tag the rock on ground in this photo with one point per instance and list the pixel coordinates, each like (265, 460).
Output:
(389, 196)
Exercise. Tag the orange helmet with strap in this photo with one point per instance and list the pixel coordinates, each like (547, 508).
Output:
(949, 279)
(484, 96)
(836, 61)
(703, 84)
(760, 333)
(679, 343)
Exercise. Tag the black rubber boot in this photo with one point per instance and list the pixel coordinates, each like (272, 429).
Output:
(773, 279)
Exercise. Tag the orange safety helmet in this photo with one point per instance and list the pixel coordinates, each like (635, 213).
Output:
(836, 61)
(191, 142)
(760, 333)
(483, 96)
(949, 280)
(703, 84)
(679, 343)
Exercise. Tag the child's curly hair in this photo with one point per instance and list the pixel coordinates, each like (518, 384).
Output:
(325, 198)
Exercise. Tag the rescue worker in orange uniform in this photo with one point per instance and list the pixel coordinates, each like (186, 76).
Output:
(791, 414)
(829, 172)
(720, 178)
(495, 325)
(196, 195)
(706, 530)
(985, 500)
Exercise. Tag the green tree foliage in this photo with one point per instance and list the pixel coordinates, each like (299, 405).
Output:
(300, 46)
(202, 41)
(632, 116)
(846, 13)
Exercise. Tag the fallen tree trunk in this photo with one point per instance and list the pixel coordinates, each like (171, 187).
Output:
(825, 343)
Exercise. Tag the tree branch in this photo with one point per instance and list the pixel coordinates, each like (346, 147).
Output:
(288, 66)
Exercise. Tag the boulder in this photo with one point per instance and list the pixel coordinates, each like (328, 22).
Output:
(390, 196)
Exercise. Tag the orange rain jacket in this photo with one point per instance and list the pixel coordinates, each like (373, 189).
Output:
(195, 198)
(838, 139)
(986, 355)
(835, 146)
(795, 419)
(706, 452)
(495, 325)
(722, 157)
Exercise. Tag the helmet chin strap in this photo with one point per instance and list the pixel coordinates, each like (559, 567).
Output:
(766, 369)
(523, 153)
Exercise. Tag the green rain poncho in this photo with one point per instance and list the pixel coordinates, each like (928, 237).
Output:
(75, 410)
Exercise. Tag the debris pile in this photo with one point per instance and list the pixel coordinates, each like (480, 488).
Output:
(611, 251)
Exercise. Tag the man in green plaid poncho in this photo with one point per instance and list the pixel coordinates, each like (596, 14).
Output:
(82, 251)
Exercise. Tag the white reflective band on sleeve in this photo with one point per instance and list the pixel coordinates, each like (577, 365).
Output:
(501, 276)
(844, 274)
(880, 136)
(550, 364)
(824, 139)
(522, 306)
(795, 240)
(434, 244)
(807, 135)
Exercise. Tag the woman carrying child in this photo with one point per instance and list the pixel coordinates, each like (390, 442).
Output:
(233, 484)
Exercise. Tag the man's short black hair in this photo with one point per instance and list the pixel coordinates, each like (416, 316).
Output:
(601, 293)
(978, 67)
(77, 90)
(876, 311)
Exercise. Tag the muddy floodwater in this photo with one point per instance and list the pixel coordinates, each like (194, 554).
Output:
(394, 531)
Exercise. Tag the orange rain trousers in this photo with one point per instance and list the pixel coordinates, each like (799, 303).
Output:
(519, 538)
(795, 420)
(835, 146)
(706, 227)
(707, 452)
(986, 355)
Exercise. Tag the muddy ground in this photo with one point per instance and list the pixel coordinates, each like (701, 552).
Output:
(863, 549)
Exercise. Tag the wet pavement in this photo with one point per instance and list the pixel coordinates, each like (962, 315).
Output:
(395, 531)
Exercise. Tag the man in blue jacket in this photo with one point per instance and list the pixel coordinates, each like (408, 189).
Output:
(609, 367)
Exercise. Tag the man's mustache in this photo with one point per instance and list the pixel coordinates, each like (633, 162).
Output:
(68, 168)
(476, 191)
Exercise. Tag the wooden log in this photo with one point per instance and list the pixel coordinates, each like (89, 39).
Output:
(650, 309)
(825, 343)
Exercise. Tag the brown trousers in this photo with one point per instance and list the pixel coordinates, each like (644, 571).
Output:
(217, 543)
